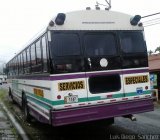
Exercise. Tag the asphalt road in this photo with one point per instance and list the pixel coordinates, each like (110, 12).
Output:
(147, 127)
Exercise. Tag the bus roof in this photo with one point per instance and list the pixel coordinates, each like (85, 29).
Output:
(96, 20)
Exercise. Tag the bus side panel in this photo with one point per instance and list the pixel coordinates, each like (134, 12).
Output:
(92, 113)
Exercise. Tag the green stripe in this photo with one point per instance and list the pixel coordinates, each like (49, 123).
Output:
(60, 102)
(39, 103)
(135, 94)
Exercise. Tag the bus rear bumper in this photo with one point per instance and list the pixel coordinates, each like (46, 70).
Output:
(91, 113)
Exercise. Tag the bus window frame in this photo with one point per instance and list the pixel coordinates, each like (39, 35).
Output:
(66, 32)
(131, 31)
(114, 33)
(47, 55)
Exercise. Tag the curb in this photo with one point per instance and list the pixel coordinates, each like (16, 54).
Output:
(19, 129)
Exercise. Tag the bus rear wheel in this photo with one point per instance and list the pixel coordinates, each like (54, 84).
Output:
(27, 116)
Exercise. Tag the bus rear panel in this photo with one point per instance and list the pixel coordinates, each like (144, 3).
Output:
(94, 67)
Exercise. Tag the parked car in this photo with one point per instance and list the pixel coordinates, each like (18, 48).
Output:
(0, 81)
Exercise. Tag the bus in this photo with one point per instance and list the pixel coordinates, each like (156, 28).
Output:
(87, 66)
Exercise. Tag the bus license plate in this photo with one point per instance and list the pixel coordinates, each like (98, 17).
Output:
(71, 99)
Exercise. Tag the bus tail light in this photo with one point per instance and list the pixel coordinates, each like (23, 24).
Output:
(146, 87)
(124, 99)
(59, 97)
(114, 100)
(109, 96)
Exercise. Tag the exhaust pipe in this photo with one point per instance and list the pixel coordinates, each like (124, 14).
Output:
(131, 117)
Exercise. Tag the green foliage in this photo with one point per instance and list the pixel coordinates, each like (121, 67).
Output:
(157, 49)
(150, 52)
(2, 94)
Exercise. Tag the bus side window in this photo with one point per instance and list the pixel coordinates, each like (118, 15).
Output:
(28, 60)
(16, 64)
(21, 64)
(38, 52)
(12, 71)
(24, 60)
(44, 54)
(38, 57)
(33, 57)
(18, 58)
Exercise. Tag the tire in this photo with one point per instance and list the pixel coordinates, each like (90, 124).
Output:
(10, 95)
(27, 116)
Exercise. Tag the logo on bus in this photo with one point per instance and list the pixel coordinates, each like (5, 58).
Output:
(136, 79)
(74, 85)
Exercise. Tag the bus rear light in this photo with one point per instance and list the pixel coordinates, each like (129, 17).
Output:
(109, 96)
(124, 99)
(68, 106)
(146, 87)
(137, 97)
(59, 97)
(112, 100)
(82, 104)
(100, 102)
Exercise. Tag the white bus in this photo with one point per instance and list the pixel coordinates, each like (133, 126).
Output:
(87, 65)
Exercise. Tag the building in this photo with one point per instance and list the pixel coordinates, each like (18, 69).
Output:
(154, 68)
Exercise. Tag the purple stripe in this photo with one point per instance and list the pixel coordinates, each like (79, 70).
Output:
(83, 75)
(75, 76)
(135, 71)
(63, 77)
(72, 116)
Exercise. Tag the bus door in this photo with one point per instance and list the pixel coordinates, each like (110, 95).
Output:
(103, 66)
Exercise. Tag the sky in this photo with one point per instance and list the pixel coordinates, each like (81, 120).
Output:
(21, 20)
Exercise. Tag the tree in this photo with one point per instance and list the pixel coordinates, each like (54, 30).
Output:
(150, 52)
(157, 49)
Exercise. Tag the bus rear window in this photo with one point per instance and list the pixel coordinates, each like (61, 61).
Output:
(65, 44)
(132, 42)
(100, 44)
